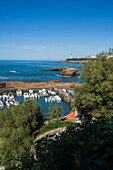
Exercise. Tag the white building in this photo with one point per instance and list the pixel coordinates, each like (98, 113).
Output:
(71, 56)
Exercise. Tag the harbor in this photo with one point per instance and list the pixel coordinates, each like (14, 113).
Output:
(45, 98)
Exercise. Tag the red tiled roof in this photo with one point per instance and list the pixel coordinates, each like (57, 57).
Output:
(70, 116)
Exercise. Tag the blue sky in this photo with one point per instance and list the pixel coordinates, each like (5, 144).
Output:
(53, 29)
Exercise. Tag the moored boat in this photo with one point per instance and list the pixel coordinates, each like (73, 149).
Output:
(26, 95)
(4, 96)
(19, 93)
(1, 104)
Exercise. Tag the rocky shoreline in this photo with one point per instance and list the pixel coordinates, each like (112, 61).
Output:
(78, 62)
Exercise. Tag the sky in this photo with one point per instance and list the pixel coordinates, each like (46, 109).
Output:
(53, 29)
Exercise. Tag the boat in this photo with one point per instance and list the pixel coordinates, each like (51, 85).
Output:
(36, 95)
(19, 93)
(4, 96)
(1, 104)
(8, 103)
(10, 96)
(15, 102)
(58, 98)
(46, 99)
(64, 90)
(31, 91)
(44, 94)
(31, 95)
(43, 90)
(52, 99)
(26, 95)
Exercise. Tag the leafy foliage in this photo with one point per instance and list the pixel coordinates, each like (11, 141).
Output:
(54, 125)
(80, 59)
(54, 112)
(95, 96)
(17, 126)
(86, 146)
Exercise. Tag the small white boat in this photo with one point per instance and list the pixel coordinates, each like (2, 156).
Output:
(4, 96)
(12, 102)
(58, 98)
(31, 91)
(8, 103)
(19, 93)
(26, 95)
(64, 90)
(45, 94)
(15, 102)
(43, 90)
(53, 93)
(52, 99)
(46, 99)
(1, 104)
(31, 95)
(49, 91)
(10, 96)
(36, 95)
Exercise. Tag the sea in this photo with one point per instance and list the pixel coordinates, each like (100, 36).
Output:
(30, 71)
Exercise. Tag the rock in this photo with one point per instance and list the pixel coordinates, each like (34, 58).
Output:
(53, 69)
(69, 71)
(66, 71)
(76, 74)
(54, 81)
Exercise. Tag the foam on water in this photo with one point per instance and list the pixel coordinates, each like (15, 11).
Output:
(3, 77)
(12, 71)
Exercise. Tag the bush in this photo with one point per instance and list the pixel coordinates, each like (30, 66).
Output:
(18, 125)
(87, 146)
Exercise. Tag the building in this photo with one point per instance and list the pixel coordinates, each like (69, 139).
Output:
(71, 56)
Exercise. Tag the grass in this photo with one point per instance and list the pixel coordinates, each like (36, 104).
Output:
(54, 125)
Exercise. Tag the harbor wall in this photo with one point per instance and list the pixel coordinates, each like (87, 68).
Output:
(36, 85)
(2, 85)
(66, 97)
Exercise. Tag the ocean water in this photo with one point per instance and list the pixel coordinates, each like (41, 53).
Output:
(29, 71)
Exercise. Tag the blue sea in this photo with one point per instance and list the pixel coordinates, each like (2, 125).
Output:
(29, 71)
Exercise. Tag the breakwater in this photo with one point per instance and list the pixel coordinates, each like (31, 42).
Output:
(64, 96)
(33, 85)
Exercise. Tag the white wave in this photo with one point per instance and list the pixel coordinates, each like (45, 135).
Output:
(65, 76)
(62, 76)
(57, 75)
(12, 71)
(3, 77)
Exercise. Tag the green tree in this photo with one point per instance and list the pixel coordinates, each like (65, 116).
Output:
(54, 112)
(82, 147)
(18, 125)
(95, 96)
